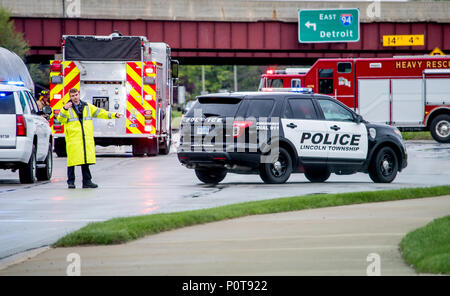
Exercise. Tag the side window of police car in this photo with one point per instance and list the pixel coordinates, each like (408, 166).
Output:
(300, 109)
(32, 103)
(23, 102)
(260, 108)
(334, 112)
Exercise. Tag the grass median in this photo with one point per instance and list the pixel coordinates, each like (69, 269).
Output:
(417, 136)
(121, 230)
(427, 249)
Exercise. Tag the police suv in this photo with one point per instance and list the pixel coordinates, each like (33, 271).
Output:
(25, 135)
(274, 134)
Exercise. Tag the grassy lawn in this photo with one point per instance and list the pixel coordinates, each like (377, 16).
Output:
(121, 230)
(427, 249)
(417, 136)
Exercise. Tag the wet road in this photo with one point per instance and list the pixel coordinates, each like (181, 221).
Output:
(37, 215)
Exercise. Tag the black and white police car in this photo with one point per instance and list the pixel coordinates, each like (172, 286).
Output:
(274, 134)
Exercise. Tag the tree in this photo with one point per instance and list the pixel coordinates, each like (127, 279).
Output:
(219, 78)
(15, 42)
(40, 74)
(9, 38)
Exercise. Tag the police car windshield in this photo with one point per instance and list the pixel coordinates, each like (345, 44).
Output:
(7, 103)
(215, 106)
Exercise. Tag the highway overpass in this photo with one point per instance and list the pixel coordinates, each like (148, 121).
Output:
(231, 31)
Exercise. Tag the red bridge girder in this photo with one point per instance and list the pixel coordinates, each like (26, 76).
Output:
(203, 42)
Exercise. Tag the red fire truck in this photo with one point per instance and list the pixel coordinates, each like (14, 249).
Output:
(411, 93)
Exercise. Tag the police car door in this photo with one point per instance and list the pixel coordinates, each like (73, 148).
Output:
(345, 139)
(301, 126)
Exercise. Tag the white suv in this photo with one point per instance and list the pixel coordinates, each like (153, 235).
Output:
(25, 135)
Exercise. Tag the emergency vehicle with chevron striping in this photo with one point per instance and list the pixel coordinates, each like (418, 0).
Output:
(124, 74)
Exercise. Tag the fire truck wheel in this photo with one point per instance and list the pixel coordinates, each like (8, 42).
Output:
(60, 147)
(210, 176)
(164, 147)
(279, 171)
(153, 147)
(440, 128)
(317, 175)
(138, 149)
(384, 166)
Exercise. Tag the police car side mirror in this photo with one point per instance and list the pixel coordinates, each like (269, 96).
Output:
(358, 118)
(47, 110)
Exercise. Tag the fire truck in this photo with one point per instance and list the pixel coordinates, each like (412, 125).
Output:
(124, 74)
(411, 93)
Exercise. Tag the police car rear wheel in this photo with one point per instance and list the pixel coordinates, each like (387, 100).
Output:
(279, 171)
(45, 173)
(27, 172)
(384, 166)
(440, 128)
(210, 176)
(317, 175)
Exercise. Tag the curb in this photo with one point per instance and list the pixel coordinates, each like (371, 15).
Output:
(21, 257)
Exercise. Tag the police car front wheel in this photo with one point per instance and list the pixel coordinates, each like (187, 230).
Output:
(317, 175)
(277, 172)
(384, 166)
(210, 176)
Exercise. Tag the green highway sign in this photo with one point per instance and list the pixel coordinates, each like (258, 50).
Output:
(328, 25)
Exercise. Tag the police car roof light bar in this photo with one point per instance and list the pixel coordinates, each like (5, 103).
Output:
(306, 90)
(17, 83)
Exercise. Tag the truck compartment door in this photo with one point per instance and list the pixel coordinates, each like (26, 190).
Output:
(407, 102)
(373, 100)
(437, 91)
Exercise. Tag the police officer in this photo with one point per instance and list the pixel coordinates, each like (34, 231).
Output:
(76, 116)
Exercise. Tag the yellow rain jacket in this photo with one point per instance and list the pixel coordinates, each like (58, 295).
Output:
(79, 132)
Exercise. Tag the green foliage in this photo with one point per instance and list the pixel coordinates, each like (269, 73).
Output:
(40, 74)
(9, 38)
(218, 78)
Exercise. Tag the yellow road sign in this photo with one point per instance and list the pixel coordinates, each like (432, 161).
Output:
(437, 51)
(403, 40)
